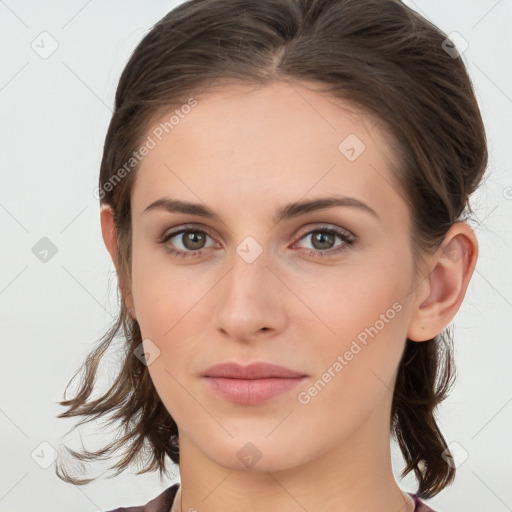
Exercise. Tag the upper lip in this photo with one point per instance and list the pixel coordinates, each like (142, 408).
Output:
(258, 370)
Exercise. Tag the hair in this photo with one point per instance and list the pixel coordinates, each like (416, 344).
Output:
(381, 56)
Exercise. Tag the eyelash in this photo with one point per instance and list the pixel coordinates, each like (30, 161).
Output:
(347, 238)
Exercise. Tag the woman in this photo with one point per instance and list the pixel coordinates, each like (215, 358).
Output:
(284, 189)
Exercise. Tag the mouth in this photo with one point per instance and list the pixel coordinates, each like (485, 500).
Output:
(251, 391)
(252, 384)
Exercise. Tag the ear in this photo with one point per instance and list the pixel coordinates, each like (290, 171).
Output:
(109, 233)
(440, 293)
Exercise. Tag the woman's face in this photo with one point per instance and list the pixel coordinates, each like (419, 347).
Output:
(326, 292)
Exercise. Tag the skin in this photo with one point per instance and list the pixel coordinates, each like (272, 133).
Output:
(244, 152)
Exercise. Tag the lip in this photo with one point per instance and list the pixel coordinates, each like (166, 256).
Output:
(252, 384)
(257, 370)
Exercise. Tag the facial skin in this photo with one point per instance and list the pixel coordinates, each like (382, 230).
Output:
(244, 153)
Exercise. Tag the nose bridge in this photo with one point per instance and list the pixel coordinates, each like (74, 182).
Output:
(248, 279)
(249, 296)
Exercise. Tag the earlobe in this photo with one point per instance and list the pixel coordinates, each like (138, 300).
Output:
(109, 233)
(440, 294)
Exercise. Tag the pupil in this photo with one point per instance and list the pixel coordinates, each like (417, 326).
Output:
(194, 238)
(322, 237)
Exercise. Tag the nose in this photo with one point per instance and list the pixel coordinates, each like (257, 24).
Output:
(250, 298)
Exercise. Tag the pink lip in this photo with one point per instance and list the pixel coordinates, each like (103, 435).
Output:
(260, 370)
(253, 384)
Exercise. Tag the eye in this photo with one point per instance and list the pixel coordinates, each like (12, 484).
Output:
(323, 240)
(189, 241)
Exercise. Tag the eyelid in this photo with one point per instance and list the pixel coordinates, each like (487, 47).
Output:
(324, 226)
(184, 227)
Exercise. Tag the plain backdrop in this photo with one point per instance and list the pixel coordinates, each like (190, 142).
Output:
(60, 63)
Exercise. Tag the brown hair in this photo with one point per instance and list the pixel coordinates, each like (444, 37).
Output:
(377, 54)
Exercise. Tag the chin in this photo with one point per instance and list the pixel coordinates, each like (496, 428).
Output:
(255, 456)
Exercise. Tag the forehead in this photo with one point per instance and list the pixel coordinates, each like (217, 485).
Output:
(277, 142)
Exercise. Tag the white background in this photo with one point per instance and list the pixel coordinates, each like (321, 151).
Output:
(55, 113)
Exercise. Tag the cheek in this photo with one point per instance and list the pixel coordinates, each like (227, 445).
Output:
(170, 310)
(355, 367)
(364, 314)
(348, 301)
(165, 293)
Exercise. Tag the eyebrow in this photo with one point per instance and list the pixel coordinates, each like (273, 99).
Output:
(288, 211)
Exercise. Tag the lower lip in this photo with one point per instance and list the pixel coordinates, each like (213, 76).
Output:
(251, 392)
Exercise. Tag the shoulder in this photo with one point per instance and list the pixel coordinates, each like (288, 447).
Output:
(162, 503)
(419, 505)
